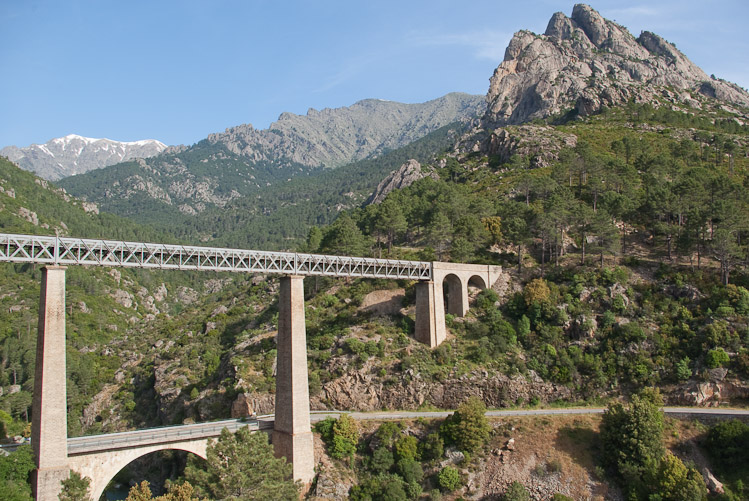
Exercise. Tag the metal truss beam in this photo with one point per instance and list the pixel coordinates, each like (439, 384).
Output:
(80, 251)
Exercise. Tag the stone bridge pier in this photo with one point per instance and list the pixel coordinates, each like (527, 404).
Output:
(49, 419)
(292, 435)
(430, 299)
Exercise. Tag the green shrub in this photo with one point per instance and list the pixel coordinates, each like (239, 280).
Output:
(75, 488)
(516, 492)
(413, 490)
(716, 358)
(410, 470)
(449, 479)
(388, 432)
(14, 474)
(382, 460)
(341, 435)
(683, 372)
(524, 327)
(432, 447)
(386, 486)
(406, 448)
(354, 345)
(672, 480)
(486, 299)
(345, 437)
(467, 427)
(561, 497)
(728, 443)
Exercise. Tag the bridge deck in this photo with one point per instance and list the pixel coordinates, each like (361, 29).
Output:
(72, 251)
(166, 434)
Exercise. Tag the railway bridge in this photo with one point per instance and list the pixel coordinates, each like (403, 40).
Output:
(55, 454)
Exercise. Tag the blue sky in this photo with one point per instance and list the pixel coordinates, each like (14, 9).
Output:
(179, 70)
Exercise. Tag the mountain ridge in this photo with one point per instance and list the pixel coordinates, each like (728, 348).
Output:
(243, 160)
(333, 137)
(73, 154)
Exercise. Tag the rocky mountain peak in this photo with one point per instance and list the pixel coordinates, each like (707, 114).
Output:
(592, 23)
(332, 137)
(585, 62)
(73, 154)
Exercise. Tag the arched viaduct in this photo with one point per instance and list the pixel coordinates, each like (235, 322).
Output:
(292, 435)
(101, 467)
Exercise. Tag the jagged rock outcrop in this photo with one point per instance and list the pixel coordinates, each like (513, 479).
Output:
(362, 391)
(73, 154)
(539, 144)
(712, 392)
(406, 175)
(585, 62)
(334, 137)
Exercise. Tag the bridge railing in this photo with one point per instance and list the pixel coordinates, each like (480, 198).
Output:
(154, 436)
(81, 251)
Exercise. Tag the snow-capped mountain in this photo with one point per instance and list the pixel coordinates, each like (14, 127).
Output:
(73, 154)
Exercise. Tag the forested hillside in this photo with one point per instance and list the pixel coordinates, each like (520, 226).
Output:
(280, 216)
(620, 216)
(102, 304)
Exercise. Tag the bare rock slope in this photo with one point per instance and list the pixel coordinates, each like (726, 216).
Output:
(585, 62)
(337, 136)
(405, 176)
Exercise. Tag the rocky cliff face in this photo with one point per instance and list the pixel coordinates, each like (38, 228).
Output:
(359, 390)
(72, 154)
(585, 62)
(405, 176)
(334, 137)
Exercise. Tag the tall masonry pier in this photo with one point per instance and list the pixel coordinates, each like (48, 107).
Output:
(55, 455)
(292, 435)
(49, 420)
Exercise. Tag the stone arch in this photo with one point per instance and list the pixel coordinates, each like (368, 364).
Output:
(101, 467)
(474, 285)
(478, 282)
(456, 295)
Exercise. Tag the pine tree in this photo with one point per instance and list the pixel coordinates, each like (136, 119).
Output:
(75, 488)
(242, 466)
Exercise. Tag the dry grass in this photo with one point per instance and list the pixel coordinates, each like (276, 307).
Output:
(551, 454)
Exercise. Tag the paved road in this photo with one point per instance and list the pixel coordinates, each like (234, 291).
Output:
(82, 445)
(320, 415)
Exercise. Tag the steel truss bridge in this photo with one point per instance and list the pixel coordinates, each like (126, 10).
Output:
(64, 251)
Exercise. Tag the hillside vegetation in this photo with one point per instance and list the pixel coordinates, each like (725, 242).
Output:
(624, 257)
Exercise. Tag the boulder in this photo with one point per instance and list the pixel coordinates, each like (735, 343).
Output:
(713, 484)
(242, 406)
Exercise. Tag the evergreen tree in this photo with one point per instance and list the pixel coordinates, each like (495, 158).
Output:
(75, 488)
(345, 238)
(390, 220)
(439, 231)
(467, 427)
(632, 437)
(242, 466)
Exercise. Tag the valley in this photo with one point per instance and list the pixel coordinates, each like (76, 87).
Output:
(605, 173)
